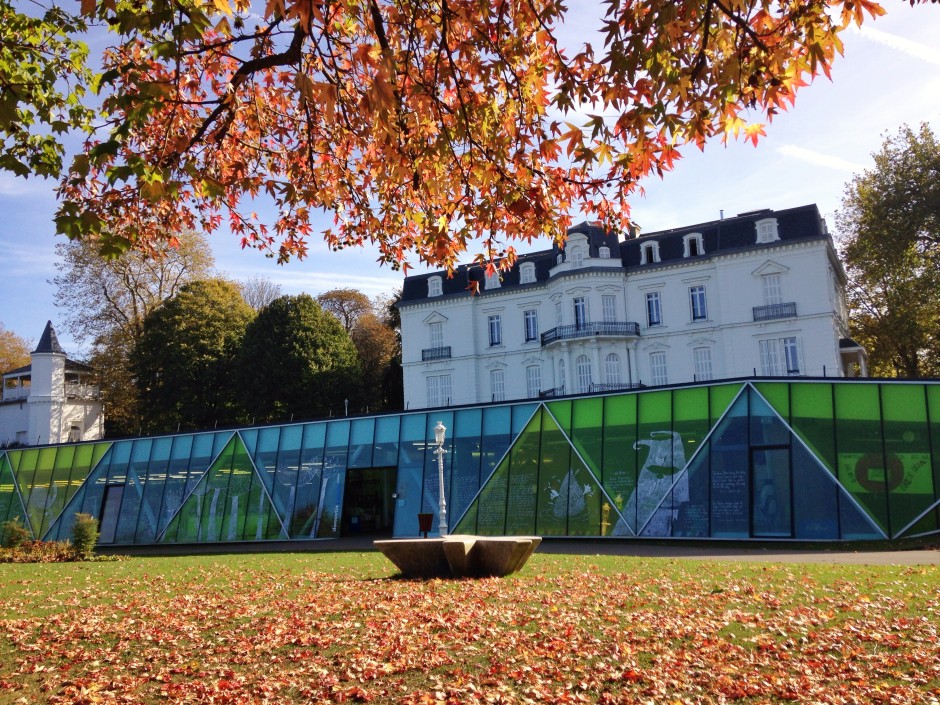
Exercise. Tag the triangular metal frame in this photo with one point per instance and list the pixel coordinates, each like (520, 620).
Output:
(83, 485)
(254, 469)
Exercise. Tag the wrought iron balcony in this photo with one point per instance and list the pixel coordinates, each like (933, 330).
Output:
(592, 389)
(772, 311)
(590, 330)
(435, 354)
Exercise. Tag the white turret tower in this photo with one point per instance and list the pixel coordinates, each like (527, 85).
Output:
(47, 393)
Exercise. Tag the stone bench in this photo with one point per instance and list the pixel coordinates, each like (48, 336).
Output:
(459, 556)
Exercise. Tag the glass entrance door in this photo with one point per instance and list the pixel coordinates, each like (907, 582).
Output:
(771, 499)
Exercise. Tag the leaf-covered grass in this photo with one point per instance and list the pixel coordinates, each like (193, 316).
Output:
(334, 627)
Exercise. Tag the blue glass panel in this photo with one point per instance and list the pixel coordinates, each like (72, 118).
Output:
(303, 523)
(816, 511)
(181, 455)
(465, 463)
(286, 471)
(385, 453)
(250, 439)
(496, 437)
(729, 463)
(410, 473)
(329, 511)
(154, 490)
(361, 442)
(521, 413)
(136, 478)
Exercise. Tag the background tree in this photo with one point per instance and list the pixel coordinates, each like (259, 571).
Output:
(258, 292)
(105, 301)
(14, 350)
(296, 360)
(890, 242)
(347, 305)
(185, 359)
(420, 126)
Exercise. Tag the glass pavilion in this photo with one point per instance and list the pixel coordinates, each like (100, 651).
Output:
(753, 459)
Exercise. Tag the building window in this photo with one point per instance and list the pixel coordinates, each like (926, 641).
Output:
(609, 308)
(781, 357)
(773, 293)
(561, 375)
(649, 252)
(767, 230)
(533, 381)
(658, 375)
(693, 245)
(577, 258)
(603, 252)
(527, 273)
(613, 372)
(583, 366)
(496, 331)
(531, 320)
(654, 309)
(492, 280)
(437, 335)
(697, 301)
(702, 357)
(580, 312)
(558, 313)
(498, 385)
(434, 286)
(439, 390)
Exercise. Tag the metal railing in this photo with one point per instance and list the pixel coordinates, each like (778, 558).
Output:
(82, 391)
(592, 389)
(435, 353)
(589, 330)
(772, 311)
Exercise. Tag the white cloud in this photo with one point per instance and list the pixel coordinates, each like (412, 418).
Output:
(930, 54)
(827, 161)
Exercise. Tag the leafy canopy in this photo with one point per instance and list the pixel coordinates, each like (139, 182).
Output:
(420, 125)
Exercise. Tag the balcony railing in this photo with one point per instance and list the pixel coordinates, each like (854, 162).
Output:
(82, 391)
(435, 353)
(10, 393)
(590, 330)
(772, 311)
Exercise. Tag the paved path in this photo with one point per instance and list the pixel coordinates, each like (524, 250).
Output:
(607, 547)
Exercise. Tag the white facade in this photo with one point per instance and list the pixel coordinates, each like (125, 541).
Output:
(760, 294)
(51, 400)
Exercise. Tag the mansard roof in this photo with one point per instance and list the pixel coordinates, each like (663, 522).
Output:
(725, 235)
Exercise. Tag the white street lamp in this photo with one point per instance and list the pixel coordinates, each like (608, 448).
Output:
(439, 432)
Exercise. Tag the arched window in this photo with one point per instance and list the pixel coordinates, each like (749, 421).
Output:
(561, 376)
(612, 371)
(584, 374)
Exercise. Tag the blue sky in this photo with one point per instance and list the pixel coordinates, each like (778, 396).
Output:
(890, 75)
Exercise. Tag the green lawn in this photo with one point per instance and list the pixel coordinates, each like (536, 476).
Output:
(333, 627)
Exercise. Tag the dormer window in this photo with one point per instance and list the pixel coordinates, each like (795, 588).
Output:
(767, 230)
(693, 245)
(560, 259)
(649, 252)
(527, 273)
(603, 252)
(492, 280)
(435, 286)
(577, 259)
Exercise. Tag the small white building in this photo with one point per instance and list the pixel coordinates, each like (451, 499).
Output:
(758, 294)
(51, 400)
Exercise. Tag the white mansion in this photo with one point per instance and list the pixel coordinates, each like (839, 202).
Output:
(758, 294)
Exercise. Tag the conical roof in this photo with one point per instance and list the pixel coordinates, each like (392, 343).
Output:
(49, 343)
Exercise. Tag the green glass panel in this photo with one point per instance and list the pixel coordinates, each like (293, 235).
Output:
(491, 502)
(909, 476)
(812, 417)
(933, 412)
(927, 524)
(43, 492)
(11, 507)
(468, 522)
(660, 454)
(227, 504)
(691, 418)
(58, 491)
(619, 470)
(862, 465)
(561, 410)
(555, 463)
(720, 398)
(86, 497)
(587, 431)
(777, 395)
(523, 479)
